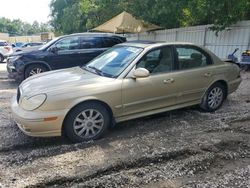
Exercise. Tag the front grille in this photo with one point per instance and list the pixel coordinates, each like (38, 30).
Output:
(18, 95)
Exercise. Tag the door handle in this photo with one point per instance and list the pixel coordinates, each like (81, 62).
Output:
(168, 81)
(208, 74)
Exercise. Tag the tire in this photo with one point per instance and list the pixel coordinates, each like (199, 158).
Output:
(34, 69)
(1, 58)
(214, 97)
(87, 121)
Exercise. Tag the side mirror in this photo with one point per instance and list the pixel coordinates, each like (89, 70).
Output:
(54, 50)
(141, 73)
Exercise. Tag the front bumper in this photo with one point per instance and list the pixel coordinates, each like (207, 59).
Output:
(33, 123)
(13, 73)
(6, 55)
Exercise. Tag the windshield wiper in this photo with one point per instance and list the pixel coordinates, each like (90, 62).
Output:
(99, 72)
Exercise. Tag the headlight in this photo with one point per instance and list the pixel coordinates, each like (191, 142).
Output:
(34, 102)
(14, 58)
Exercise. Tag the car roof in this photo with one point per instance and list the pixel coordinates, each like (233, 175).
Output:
(146, 44)
(96, 34)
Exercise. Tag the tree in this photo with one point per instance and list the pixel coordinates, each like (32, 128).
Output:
(70, 16)
(17, 27)
(220, 13)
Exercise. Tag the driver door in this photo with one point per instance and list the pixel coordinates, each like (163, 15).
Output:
(155, 91)
(67, 54)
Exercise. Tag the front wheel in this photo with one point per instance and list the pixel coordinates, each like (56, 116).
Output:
(88, 121)
(34, 69)
(214, 97)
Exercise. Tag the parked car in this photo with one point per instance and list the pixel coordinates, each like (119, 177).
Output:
(5, 50)
(28, 46)
(63, 52)
(128, 81)
(17, 44)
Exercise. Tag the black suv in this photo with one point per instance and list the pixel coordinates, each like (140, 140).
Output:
(63, 52)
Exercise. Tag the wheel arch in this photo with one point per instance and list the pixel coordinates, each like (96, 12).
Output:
(84, 102)
(224, 83)
(37, 63)
(221, 81)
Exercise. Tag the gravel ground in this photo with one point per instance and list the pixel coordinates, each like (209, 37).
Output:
(181, 148)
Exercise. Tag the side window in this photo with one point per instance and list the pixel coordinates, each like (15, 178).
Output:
(157, 61)
(87, 43)
(71, 43)
(190, 57)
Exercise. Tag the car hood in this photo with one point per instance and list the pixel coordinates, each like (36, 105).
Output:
(27, 51)
(60, 81)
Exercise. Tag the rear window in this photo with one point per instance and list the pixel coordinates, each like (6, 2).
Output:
(109, 42)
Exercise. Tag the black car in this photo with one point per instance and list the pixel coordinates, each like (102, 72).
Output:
(63, 52)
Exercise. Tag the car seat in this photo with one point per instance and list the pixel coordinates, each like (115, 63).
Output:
(165, 63)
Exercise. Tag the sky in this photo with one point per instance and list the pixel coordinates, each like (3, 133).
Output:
(25, 10)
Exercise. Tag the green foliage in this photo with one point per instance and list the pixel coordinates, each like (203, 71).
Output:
(70, 16)
(17, 27)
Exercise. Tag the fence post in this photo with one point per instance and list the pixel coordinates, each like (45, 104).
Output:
(166, 35)
(176, 35)
(205, 37)
(248, 45)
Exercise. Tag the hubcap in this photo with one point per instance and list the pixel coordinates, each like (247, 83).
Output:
(88, 123)
(36, 71)
(215, 97)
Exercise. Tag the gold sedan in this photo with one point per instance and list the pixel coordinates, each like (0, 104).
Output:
(128, 81)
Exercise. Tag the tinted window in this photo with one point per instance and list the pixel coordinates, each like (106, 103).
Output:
(190, 57)
(71, 43)
(157, 61)
(109, 42)
(94, 42)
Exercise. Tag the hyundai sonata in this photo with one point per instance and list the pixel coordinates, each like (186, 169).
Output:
(128, 81)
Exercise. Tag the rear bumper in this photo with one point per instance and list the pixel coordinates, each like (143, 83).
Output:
(32, 123)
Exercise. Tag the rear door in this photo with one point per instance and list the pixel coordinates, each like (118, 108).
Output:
(90, 47)
(195, 73)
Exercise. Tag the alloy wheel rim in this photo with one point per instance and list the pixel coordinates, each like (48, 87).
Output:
(35, 71)
(215, 97)
(88, 123)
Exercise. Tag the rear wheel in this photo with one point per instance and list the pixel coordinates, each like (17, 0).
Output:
(214, 97)
(34, 69)
(88, 121)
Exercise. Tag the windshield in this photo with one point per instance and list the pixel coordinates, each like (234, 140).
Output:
(48, 44)
(112, 62)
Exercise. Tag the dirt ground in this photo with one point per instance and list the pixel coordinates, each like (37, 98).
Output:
(181, 148)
